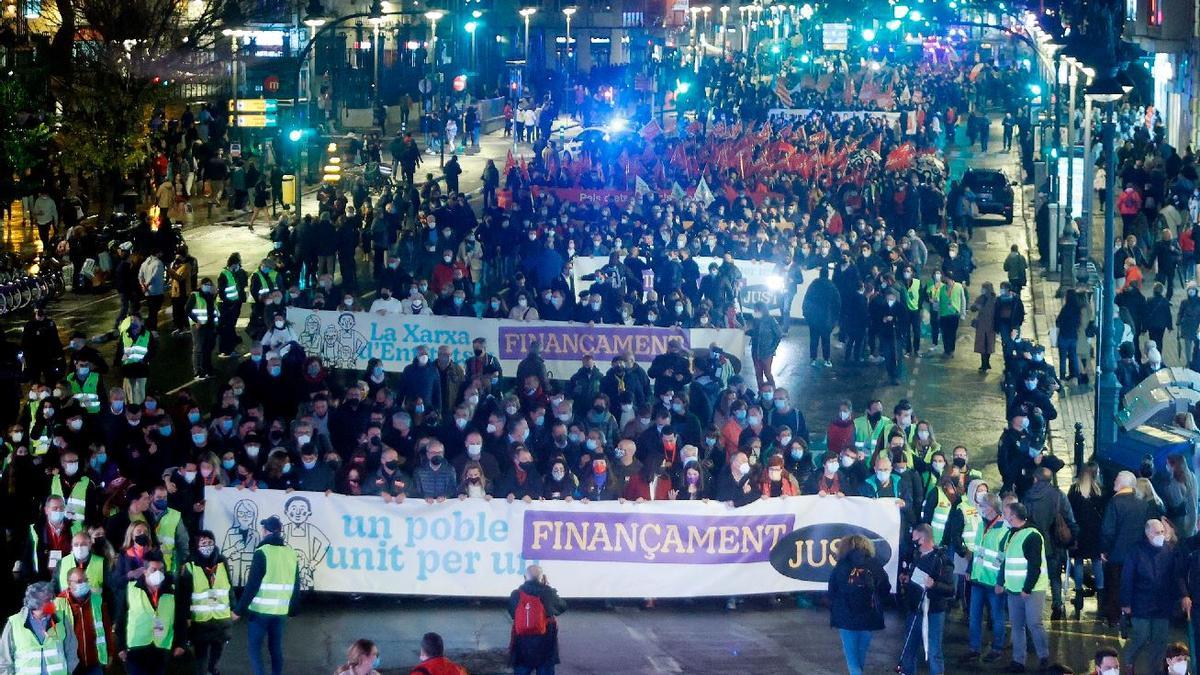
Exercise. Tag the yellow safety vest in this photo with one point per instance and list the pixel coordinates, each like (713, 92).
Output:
(232, 292)
(985, 563)
(64, 608)
(1015, 565)
(32, 657)
(164, 531)
(267, 283)
(913, 295)
(200, 309)
(86, 393)
(970, 523)
(146, 624)
(94, 570)
(135, 350)
(941, 515)
(209, 602)
(76, 501)
(275, 592)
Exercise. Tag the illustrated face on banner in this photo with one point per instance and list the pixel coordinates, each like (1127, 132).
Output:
(298, 510)
(246, 512)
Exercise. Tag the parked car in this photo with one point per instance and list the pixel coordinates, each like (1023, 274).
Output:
(993, 192)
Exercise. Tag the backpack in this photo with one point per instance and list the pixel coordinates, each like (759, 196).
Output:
(530, 617)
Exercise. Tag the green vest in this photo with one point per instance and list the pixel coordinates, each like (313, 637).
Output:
(200, 309)
(275, 593)
(76, 501)
(971, 523)
(86, 394)
(209, 602)
(865, 435)
(912, 295)
(941, 514)
(266, 283)
(64, 608)
(147, 625)
(1015, 565)
(134, 350)
(232, 292)
(34, 540)
(164, 531)
(33, 657)
(94, 570)
(951, 300)
(985, 564)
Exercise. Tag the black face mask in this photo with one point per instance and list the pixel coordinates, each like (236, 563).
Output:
(142, 539)
(874, 416)
(392, 465)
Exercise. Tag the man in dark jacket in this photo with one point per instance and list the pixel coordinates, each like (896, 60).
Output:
(822, 307)
(927, 591)
(420, 379)
(1122, 528)
(1046, 503)
(1018, 455)
(734, 485)
(1150, 594)
(671, 371)
(531, 653)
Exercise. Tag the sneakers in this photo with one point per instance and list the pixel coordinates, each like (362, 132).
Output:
(828, 363)
(815, 363)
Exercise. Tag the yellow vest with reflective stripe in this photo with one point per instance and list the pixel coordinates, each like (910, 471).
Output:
(63, 606)
(94, 570)
(31, 657)
(146, 624)
(134, 350)
(1015, 565)
(231, 286)
(76, 501)
(941, 514)
(275, 593)
(985, 564)
(971, 523)
(87, 393)
(209, 603)
(913, 295)
(200, 309)
(164, 531)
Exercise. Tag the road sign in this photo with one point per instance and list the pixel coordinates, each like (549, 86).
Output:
(254, 105)
(256, 120)
(271, 84)
(460, 82)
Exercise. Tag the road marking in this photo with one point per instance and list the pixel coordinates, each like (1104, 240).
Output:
(661, 662)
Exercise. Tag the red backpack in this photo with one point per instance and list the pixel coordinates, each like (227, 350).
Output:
(530, 617)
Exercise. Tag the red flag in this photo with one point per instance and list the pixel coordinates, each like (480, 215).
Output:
(901, 158)
(509, 163)
(651, 131)
(877, 144)
(781, 91)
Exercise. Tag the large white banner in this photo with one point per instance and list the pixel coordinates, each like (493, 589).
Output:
(764, 280)
(892, 118)
(479, 548)
(351, 339)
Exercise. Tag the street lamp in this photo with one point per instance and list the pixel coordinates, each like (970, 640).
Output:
(376, 20)
(526, 13)
(235, 27)
(314, 17)
(724, 28)
(434, 15)
(471, 27)
(1107, 90)
(569, 12)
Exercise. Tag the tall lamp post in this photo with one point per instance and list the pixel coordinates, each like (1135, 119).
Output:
(314, 18)
(724, 29)
(1107, 91)
(471, 27)
(376, 23)
(434, 15)
(569, 12)
(527, 13)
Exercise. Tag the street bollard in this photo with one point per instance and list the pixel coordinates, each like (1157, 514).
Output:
(1078, 448)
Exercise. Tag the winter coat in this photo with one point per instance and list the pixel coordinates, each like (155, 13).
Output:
(857, 587)
(985, 325)
(1124, 525)
(822, 304)
(1089, 513)
(1149, 585)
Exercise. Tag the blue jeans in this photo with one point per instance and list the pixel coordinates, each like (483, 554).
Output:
(981, 595)
(855, 644)
(270, 628)
(913, 644)
(1077, 569)
(1068, 354)
(546, 669)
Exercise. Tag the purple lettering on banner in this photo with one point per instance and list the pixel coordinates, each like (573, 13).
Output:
(652, 537)
(569, 342)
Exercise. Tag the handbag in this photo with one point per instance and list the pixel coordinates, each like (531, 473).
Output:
(1062, 531)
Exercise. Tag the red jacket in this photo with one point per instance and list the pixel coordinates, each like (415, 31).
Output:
(1129, 203)
(438, 666)
(840, 435)
(636, 488)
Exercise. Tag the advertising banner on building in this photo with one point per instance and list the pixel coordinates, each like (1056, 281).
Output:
(479, 548)
(351, 339)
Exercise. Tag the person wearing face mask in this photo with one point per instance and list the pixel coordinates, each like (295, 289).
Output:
(313, 475)
(435, 479)
(149, 627)
(39, 637)
(474, 483)
(560, 481)
(263, 283)
(203, 313)
(362, 658)
(1150, 593)
(81, 494)
(420, 379)
(1048, 507)
(888, 321)
(1022, 580)
(135, 350)
(205, 598)
(776, 481)
(926, 591)
(81, 601)
(584, 385)
(521, 479)
(48, 543)
(269, 596)
(984, 574)
(1178, 659)
(85, 386)
(231, 295)
(1018, 455)
(91, 564)
(765, 335)
(871, 427)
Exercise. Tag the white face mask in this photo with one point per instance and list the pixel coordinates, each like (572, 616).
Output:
(1178, 668)
(744, 469)
(844, 415)
(1158, 540)
(81, 552)
(847, 462)
(831, 468)
(1111, 671)
(155, 578)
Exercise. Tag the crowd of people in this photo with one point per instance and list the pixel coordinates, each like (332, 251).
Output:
(104, 481)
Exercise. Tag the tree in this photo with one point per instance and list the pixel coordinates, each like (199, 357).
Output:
(109, 61)
(24, 135)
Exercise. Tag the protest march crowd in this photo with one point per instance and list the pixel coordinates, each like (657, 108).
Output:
(105, 475)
